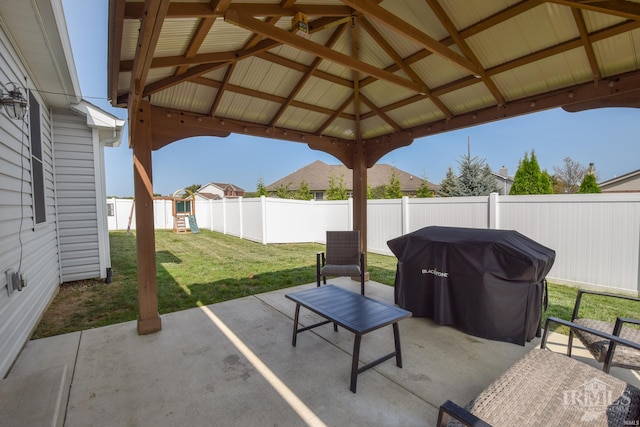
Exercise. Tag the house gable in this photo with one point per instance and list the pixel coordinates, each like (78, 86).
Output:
(627, 183)
(216, 190)
(316, 175)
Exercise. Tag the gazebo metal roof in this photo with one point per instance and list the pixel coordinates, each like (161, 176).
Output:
(381, 72)
(367, 76)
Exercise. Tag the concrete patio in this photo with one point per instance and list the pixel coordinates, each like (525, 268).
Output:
(232, 364)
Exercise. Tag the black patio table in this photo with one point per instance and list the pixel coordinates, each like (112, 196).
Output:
(354, 312)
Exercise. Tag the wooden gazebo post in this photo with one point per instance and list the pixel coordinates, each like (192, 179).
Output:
(148, 317)
(360, 198)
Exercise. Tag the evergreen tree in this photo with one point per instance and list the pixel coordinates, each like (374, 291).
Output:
(304, 193)
(546, 186)
(337, 188)
(449, 183)
(424, 190)
(475, 178)
(529, 179)
(284, 192)
(378, 192)
(261, 190)
(393, 190)
(522, 181)
(589, 183)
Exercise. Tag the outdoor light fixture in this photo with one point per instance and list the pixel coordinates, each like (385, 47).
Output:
(299, 25)
(14, 103)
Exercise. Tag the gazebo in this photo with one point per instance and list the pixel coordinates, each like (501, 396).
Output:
(354, 78)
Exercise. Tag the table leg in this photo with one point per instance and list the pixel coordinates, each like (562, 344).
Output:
(396, 338)
(354, 362)
(295, 325)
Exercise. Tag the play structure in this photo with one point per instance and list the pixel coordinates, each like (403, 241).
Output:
(184, 209)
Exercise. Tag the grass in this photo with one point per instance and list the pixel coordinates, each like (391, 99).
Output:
(211, 267)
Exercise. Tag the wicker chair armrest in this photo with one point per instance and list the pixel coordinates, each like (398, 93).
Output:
(622, 320)
(572, 325)
(450, 410)
(581, 292)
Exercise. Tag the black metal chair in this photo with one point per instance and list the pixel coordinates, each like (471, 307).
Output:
(344, 257)
(606, 351)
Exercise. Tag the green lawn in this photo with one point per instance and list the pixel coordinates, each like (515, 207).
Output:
(211, 267)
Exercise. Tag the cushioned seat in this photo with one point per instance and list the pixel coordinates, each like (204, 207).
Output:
(343, 257)
(623, 357)
(601, 349)
(546, 388)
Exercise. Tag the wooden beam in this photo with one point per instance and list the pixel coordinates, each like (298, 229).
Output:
(355, 48)
(389, 50)
(274, 98)
(622, 8)
(220, 6)
(306, 76)
(374, 108)
(403, 65)
(116, 16)
(335, 114)
(196, 41)
(391, 21)
(184, 61)
(360, 195)
(148, 317)
(464, 47)
(150, 28)
(170, 125)
(199, 70)
(285, 37)
(611, 89)
(135, 10)
(478, 27)
(588, 47)
(221, 89)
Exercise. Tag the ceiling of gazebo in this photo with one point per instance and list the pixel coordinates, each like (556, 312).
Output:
(381, 73)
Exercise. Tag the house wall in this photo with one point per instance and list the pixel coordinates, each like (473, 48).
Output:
(628, 185)
(24, 247)
(212, 189)
(78, 156)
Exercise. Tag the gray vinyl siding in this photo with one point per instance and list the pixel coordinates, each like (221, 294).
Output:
(76, 193)
(30, 249)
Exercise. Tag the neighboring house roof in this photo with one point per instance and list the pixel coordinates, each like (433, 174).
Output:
(627, 183)
(218, 190)
(317, 174)
(231, 187)
(208, 196)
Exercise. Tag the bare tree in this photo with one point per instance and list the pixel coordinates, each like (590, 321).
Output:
(569, 176)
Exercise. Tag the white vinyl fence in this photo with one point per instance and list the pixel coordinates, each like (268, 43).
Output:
(596, 236)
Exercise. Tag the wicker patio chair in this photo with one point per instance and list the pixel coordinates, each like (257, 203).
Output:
(343, 257)
(605, 351)
(546, 388)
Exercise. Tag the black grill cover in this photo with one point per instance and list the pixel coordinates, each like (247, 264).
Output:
(488, 283)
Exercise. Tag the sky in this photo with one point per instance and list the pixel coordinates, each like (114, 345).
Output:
(609, 138)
